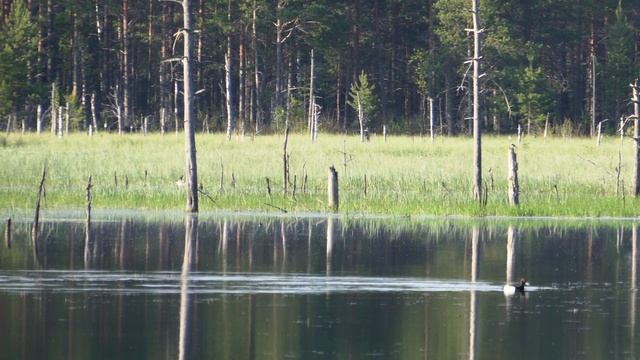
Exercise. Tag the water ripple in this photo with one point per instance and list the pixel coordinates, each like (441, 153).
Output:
(218, 283)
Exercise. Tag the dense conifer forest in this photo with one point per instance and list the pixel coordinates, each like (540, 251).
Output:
(115, 64)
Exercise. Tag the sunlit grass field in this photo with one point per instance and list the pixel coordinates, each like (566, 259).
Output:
(404, 175)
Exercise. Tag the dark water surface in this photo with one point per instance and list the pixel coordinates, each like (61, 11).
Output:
(318, 288)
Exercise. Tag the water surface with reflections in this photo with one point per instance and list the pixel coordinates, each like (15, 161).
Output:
(318, 288)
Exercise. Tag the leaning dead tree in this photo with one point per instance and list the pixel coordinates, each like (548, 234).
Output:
(477, 125)
(635, 99)
(191, 172)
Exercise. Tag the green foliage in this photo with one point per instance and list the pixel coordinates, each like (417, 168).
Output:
(619, 70)
(533, 96)
(18, 45)
(362, 94)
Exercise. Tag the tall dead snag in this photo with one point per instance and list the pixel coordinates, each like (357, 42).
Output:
(285, 160)
(477, 124)
(228, 71)
(432, 132)
(512, 178)
(312, 100)
(126, 59)
(191, 171)
(332, 189)
(636, 138)
(36, 218)
(189, 128)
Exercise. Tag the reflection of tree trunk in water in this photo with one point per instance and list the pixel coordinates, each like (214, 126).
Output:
(511, 244)
(634, 279)
(123, 227)
(238, 249)
(251, 331)
(162, 240)
(329, 243)
(283, 234)
(309, 248)
(589, 273)
(190, 236)
(475, 236)
(225, 239)
(426, 325)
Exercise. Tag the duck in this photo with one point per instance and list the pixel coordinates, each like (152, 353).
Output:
(511, 289)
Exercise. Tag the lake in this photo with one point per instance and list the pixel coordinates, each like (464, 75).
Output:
(241, 287)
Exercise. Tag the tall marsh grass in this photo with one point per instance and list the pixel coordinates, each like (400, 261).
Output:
(404, 176)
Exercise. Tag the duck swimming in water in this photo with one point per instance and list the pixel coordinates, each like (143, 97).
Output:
(511, 289)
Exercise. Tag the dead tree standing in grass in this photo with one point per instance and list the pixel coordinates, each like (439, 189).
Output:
(512, 179)
(477, 125)
(636, 138)
(191, 171)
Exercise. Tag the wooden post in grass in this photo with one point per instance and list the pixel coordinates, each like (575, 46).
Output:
(384, 133)
(512, 178)
(7, 233)
(636, 138)
(332, 189)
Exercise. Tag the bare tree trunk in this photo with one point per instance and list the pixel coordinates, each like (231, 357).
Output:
(241, 88)
(636, 137)
(39, 117)
(228, 79)
(431, 121)
(256, 73)
(189, 126)
(54, 109)
(477, 124)
(126, 98)
(278, 80)
(162, 78)
(360, 117)
(312, 100)
(512, 179)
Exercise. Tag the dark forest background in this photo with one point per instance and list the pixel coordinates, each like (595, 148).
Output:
(565, 62)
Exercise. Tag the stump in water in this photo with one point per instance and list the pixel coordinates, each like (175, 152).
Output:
(332, 189)
(7, 234)
(512, 178)
(36, 219)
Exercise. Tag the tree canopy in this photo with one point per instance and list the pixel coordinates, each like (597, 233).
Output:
(538, 56)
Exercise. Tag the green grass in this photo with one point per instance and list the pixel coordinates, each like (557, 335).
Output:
(405, 176)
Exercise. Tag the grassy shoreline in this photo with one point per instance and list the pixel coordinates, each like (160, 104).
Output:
(405, 176)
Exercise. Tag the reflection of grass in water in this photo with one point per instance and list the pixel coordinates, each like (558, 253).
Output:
(407, 175)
